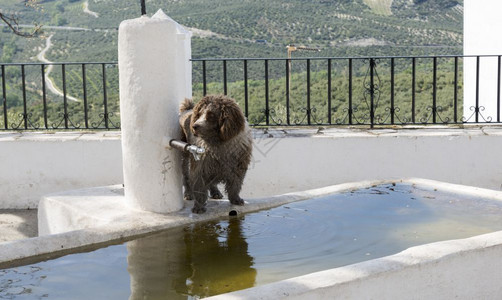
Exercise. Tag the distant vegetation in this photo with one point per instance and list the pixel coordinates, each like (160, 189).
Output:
(411, 28)
(244, 28)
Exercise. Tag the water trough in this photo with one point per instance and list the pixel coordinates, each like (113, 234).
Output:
(464, 268)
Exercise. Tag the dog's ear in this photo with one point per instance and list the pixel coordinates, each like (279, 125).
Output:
(185, 121)
(232, 120)
(186, 105)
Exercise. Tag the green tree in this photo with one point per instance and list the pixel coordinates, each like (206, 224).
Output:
(13, 22)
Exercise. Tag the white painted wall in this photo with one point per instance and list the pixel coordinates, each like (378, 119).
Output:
(469, 157)
(482, 22)
(34, 165)
(482, 25)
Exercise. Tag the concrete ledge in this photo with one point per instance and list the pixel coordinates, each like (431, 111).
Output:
(457, 269)
(97, 207)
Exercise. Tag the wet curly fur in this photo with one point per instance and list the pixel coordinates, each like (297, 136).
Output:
(217, 124)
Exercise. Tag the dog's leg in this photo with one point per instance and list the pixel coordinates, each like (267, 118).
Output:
(214, 192)
(200, 195)
(185, 167)
(233, 188)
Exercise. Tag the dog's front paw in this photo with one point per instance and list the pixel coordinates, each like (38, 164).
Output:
(237, 201)
(199, 210)
(216, 194)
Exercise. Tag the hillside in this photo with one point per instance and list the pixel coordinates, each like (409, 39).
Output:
(251, 28)
(86, 31)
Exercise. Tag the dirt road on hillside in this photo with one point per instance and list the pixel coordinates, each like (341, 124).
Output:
(48, 81)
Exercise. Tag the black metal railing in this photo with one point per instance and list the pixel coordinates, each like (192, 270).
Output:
(370, 91)
(367, 91)
(72, 96)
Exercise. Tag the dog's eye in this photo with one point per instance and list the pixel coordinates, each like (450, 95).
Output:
(210, 115)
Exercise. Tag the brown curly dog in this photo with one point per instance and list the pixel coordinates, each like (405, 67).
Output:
(217, 124)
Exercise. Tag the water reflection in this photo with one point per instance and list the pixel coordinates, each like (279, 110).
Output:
(199, 260)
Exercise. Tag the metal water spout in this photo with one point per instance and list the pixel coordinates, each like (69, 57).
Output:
(185, 147)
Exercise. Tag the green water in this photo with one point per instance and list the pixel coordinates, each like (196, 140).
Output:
(244, 251)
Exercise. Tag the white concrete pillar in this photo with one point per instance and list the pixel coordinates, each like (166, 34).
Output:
(155, 76)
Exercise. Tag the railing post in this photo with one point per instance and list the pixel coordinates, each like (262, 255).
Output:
(225, 87)
(246, 92)
(455, 92)
(105, 97)
(204, 79)
(498, 88)
(65, 99)
(434, 90)
(372, 92)
(392, 104)
(350, 92)
(4, 99)
(329, 91)
(413, 88)
(267, 108)
(476, 108)
(288, 95)
(143, 7)
(44, 96)
(84, 90)
(309, 111)
(25, 106)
